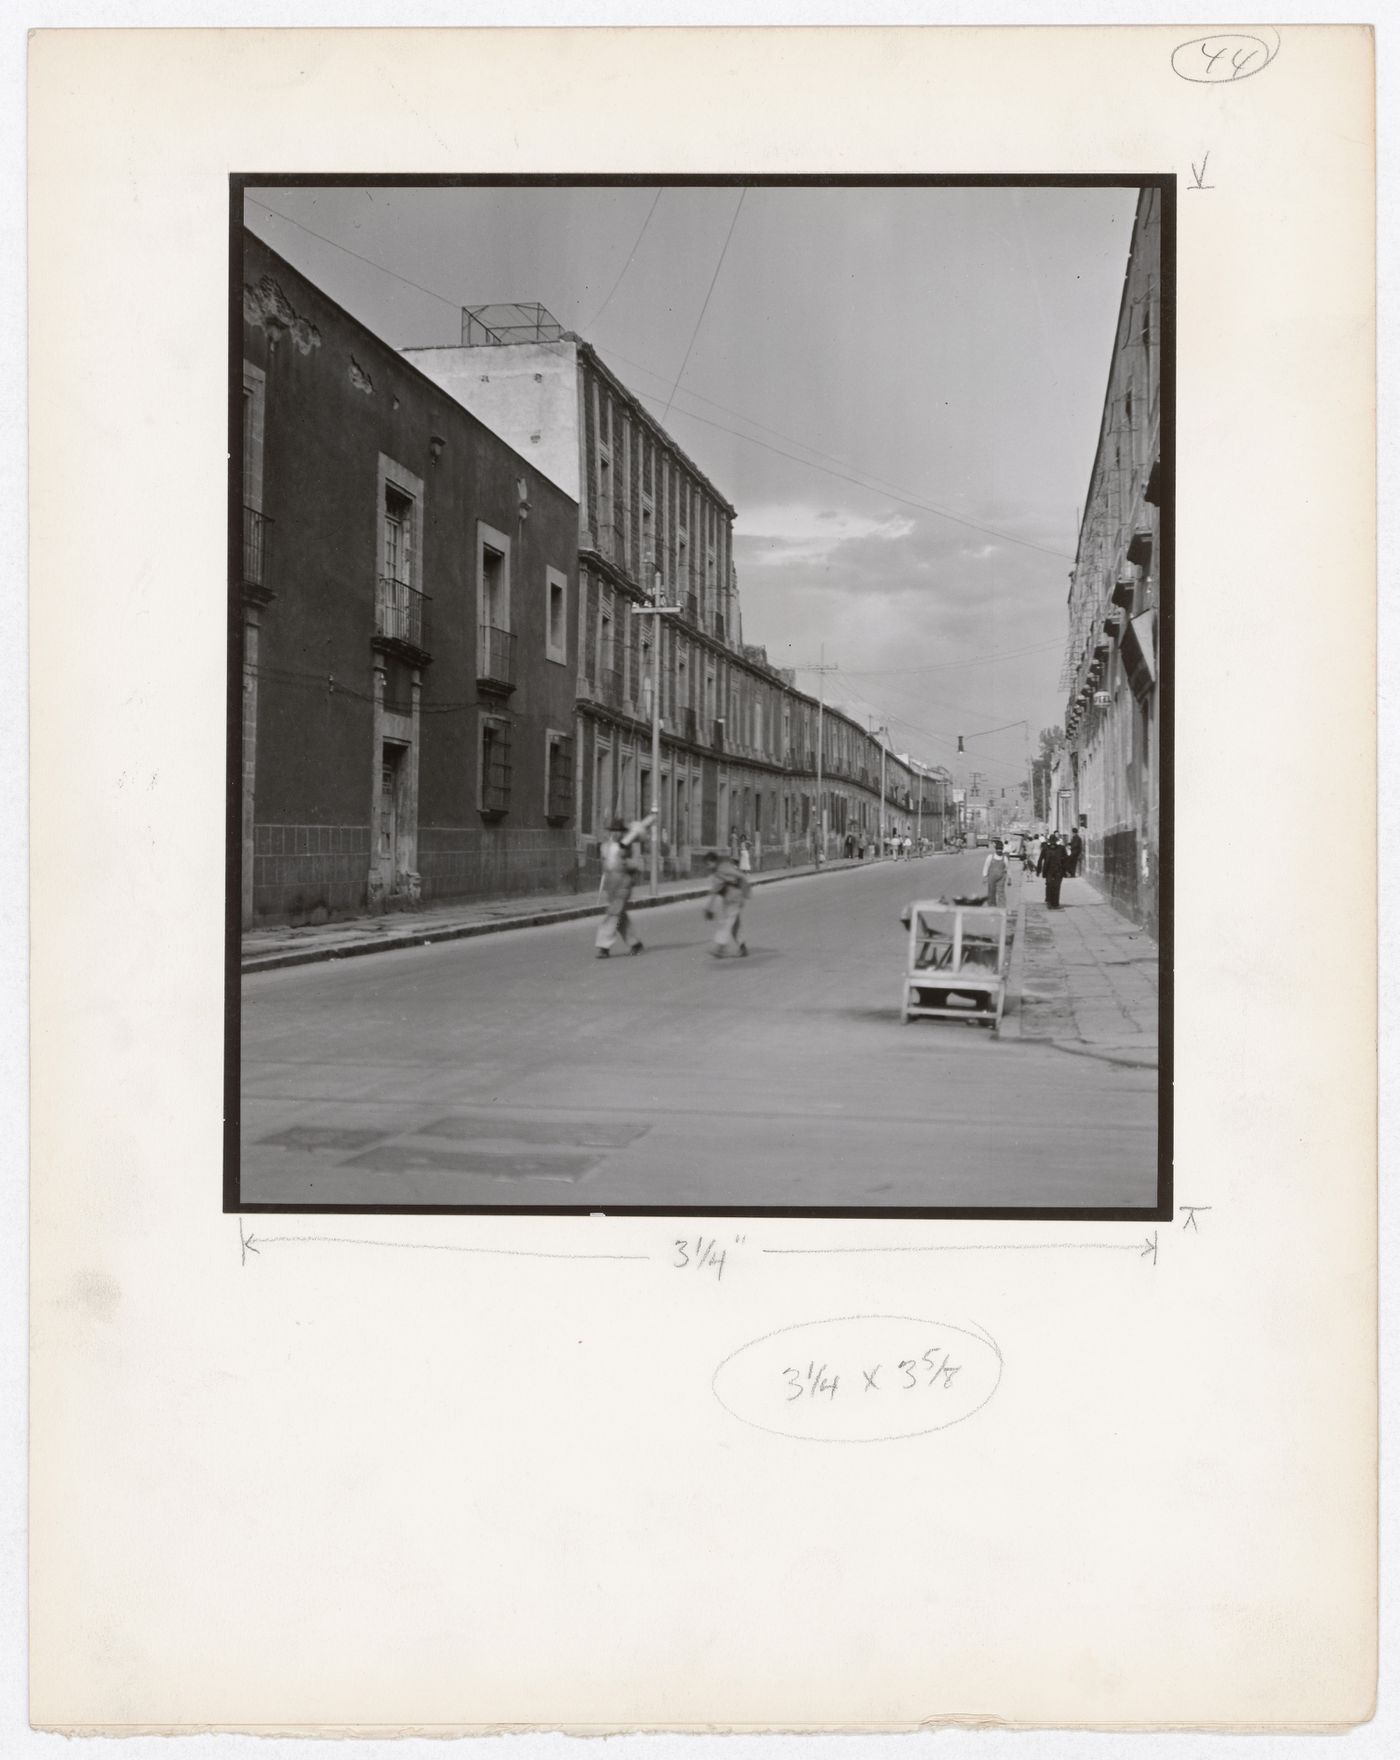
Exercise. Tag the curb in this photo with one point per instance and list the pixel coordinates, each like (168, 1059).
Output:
(526, 920)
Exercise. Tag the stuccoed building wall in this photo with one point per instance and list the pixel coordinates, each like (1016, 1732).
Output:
(739, 741)
(1111, 668)
(406, 606)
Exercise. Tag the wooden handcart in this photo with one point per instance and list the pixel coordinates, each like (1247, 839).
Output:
(957, 962)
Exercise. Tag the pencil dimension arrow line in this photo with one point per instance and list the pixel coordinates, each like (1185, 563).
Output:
(1144, 1248)
(250, 1243)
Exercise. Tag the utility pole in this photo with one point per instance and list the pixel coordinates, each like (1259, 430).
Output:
(821, 670)
(657, 610)
(884, 733)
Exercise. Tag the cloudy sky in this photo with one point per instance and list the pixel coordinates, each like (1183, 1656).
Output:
(898, 389)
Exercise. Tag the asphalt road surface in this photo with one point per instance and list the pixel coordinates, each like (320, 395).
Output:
(516, 1071)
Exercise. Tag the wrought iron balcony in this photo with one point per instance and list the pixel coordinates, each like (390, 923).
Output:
(257, 537)
(400, 614)
(495, 657)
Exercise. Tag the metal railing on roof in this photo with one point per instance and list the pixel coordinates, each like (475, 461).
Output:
(495, 326)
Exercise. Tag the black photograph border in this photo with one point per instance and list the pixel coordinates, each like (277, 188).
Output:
(1166, 183)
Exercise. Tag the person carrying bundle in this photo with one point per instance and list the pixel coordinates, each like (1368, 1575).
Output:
(729, 892)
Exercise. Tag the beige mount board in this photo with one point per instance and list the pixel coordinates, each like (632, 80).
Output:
(344, 1485)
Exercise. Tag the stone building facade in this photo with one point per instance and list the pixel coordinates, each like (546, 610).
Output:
(739, 741)
(1110, 772)
(405, 599)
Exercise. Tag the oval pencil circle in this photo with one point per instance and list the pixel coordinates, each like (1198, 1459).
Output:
(860, 1378)
(1222, 58)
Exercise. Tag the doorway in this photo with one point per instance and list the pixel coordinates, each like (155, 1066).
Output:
(391, 774)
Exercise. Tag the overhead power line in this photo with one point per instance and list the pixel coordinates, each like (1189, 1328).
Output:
(940, 665)
(723, 249)
(627, 265)
(872, 486)
(873, 483)
(359, 257)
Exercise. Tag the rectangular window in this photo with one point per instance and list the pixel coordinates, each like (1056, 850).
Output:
(559, 778)
(602, 789)
(647, 567)
(494, 777)
(492, 577)
(496, 644)
(556, 625)
(606, 538)
(398, 536)
(254, 395)
(400, 602)
(255, 524)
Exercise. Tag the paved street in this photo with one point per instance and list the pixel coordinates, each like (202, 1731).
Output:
(517, 1070)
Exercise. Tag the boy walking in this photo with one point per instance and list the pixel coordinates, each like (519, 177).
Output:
(994, 871)
(729, 891)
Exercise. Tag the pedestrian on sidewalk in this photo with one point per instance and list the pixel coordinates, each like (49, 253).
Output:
(622, 868)
(1053, 864)
(908, 846)
(745, 856)
(1076, 852)
(994, 872)
(729, 891)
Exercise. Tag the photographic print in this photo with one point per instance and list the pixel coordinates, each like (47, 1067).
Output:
(700, 696)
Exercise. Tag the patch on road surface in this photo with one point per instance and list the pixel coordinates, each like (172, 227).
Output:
(405, 1157)
(315, 1136)
(580, 1133)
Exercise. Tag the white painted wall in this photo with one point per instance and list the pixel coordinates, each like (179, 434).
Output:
(527, 392)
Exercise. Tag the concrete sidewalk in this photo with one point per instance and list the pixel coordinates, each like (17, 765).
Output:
(266, 949)
(1088, 977)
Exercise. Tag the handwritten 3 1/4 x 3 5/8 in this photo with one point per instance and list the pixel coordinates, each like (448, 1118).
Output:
(860, 1378)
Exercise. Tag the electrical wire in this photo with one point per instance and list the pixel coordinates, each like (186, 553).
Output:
(393, 274)
(873, 487)
(870, 488)
(627, 265)
(734, 220)
(876, 485)
(940, 665)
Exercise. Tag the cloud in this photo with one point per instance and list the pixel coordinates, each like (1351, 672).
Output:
(779, 535)
(910, 608)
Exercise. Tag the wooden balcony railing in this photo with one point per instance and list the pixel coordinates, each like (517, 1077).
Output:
(400, 613)
(495, 656)
(257, 535)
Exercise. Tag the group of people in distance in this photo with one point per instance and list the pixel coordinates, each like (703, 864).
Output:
(1054, 858)
(623, 866)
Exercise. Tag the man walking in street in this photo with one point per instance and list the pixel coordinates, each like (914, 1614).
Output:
(1076, 852)
(1054, 859)
(729, 889)
(622, 866)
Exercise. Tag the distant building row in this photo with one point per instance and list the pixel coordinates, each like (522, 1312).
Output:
(445, 690)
